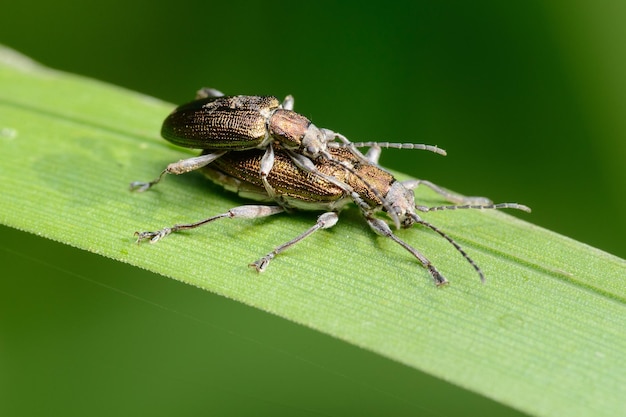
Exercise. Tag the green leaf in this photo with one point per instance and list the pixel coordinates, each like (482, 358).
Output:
(545, 334)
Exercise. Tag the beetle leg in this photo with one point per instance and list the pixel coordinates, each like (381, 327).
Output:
(241, 212)
(181, 167)
(205, 92)
(382, 228)
(330, 136)
(373, 154)
(288, 102)
(266, 165)
(324, 221)
(448, 195)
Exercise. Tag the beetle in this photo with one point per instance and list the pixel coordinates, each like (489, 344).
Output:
(219, 122)
(329, 186)
(237, 123)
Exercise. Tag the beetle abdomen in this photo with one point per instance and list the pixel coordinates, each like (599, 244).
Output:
(285, 178)
(238, 122)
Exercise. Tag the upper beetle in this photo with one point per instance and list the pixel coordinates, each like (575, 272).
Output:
(217, 123)
(233, 123)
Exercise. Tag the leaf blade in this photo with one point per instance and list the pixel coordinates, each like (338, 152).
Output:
(69, 147)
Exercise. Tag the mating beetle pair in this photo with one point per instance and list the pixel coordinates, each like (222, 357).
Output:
(263, 150)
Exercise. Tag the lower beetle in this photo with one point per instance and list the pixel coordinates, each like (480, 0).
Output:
(329, 185)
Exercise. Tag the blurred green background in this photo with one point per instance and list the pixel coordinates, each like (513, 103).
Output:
(526, 96)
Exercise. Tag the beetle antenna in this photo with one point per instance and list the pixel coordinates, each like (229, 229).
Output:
(476, 206)
(417, 146)
(458, 247)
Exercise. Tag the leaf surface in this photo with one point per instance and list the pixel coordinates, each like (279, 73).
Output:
(545, 334)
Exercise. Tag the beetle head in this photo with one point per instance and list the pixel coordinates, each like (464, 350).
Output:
(401, 205)
(315, 140)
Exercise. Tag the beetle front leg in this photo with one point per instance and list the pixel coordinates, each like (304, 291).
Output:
(206, 92)
(241, 212)
(448, 195)
(381, 228)
(266, 165)
(181, 167)
(324, 221)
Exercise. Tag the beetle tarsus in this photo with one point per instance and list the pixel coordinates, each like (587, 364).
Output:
(154, 236)
(261, 264)
(440, 280)
(139, 186)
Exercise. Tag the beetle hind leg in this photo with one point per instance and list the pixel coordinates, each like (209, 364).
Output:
(241, 212)
(181, 167)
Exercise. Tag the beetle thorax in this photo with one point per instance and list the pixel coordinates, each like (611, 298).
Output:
(288, 127)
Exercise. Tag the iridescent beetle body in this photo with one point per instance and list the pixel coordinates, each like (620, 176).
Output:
(227, 123)
(219, 124)
(236, 123)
